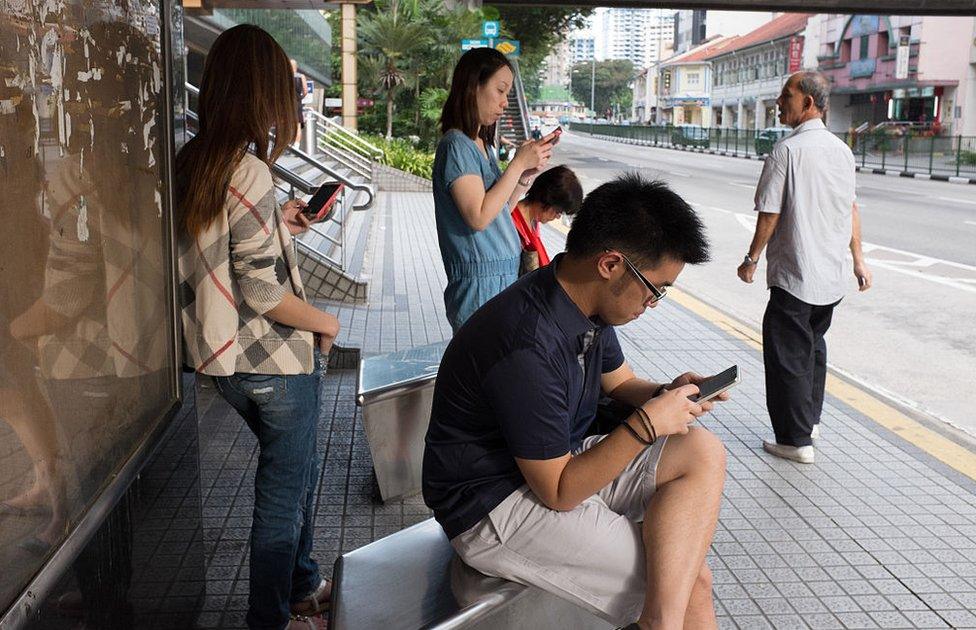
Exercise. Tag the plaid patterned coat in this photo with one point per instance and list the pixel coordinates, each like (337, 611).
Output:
(235, 271)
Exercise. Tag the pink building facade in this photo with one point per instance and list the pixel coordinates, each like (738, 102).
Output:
(929, 85)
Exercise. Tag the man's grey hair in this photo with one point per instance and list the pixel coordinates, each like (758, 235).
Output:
(816, 86)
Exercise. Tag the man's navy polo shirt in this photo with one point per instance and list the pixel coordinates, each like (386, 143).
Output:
(520, 379)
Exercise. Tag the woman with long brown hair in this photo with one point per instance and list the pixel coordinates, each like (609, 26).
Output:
(245, 318)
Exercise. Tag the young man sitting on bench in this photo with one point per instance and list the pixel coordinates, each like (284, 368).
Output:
(619, 524)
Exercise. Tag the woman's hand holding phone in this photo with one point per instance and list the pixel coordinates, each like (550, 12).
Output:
(533, 156)
(296, 221)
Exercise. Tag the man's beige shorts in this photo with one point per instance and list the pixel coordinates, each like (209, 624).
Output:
(592, 555)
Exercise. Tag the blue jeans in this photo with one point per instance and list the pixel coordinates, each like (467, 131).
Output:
(282, 412)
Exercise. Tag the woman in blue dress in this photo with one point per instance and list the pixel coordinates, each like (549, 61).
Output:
(472, 197)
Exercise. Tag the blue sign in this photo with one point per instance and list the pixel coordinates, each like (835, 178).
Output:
(509, 47)
(468, 44)
(491, 28)
(861, 68)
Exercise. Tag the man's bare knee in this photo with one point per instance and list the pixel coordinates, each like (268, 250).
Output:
(706, 453)
(704, 580)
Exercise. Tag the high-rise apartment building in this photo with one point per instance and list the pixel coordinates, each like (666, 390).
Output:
(641, 35)
(635, 34)
(582, 47)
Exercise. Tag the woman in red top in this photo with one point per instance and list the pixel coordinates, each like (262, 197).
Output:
(554, 192)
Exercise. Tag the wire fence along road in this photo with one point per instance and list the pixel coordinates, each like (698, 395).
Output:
(948, 156)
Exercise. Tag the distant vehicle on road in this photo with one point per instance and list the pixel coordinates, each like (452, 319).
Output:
(689, 136)
(768, 137)
(550, 121)
(535, 121)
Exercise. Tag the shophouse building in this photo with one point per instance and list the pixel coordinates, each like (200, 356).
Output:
(906, 72)
(684, 85)
(748, 74)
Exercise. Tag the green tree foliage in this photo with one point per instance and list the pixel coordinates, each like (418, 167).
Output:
(432, 101)
(408, 50)
(612, 83)
(392, 41)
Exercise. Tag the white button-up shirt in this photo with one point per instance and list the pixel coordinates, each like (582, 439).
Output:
(808, 179)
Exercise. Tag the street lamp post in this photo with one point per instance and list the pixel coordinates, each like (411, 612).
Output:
(593, 84)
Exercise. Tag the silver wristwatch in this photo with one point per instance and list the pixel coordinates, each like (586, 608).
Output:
(748, 260)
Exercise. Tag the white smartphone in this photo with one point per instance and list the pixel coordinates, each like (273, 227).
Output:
(715, 385)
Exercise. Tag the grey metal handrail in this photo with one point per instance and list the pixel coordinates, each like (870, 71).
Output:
(349, 159)
(352, 139)
(350, 184)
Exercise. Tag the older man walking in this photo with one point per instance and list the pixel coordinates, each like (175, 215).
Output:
(808, 216)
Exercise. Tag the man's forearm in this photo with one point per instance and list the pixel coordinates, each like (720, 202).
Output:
(635, 392)
(856, 251)
(765, 226)
(586, 473)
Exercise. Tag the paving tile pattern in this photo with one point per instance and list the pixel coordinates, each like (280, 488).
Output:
(875, 535)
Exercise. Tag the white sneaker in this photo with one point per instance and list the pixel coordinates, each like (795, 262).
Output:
(801, 454)
(815, 434)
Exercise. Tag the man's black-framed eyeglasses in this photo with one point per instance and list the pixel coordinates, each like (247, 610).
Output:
(656, 294)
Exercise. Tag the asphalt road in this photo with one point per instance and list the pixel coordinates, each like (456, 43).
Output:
(912, 336)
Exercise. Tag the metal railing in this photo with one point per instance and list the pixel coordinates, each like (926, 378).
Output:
(332, 133)
(946, 156)
(324, 142)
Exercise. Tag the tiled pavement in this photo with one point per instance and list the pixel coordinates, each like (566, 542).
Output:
(875, 534)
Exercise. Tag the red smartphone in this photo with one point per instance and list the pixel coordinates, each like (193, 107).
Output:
(320, 205)
(556, 133)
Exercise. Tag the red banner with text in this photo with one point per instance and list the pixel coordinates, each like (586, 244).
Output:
(796, 53)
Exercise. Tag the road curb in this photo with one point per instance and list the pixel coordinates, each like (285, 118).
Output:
(748, 156)
(936, 177)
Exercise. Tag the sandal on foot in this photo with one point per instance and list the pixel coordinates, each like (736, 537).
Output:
(301, 622)
(316, 602)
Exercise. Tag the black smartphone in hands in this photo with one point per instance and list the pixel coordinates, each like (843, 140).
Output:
(320, 205)
(715, 385)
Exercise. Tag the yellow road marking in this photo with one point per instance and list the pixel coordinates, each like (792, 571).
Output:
(943, 449)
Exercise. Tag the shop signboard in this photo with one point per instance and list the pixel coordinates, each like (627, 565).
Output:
(901, 58)
(796, 54)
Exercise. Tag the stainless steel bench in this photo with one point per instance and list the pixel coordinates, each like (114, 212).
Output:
(413, 579)
(395, 392)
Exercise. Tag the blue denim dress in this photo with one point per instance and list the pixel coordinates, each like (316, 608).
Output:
(478, 264)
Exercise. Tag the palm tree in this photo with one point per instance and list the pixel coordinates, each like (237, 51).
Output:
(390, 39)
